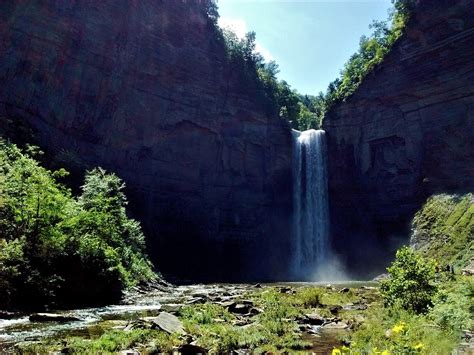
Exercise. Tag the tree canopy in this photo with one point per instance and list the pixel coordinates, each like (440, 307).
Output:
(307, 111)
(61, 248)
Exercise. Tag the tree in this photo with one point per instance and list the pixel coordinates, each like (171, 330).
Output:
(411, 283)
(64, 250)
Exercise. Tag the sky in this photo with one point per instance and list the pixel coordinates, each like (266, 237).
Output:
(310, 40)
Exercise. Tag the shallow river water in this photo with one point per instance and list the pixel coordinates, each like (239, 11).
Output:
(135, 305)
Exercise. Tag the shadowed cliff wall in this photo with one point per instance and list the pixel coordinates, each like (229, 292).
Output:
(406, 133)
(144, 88)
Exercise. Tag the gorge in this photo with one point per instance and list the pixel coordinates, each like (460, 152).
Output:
(146, 89)
(163, 190)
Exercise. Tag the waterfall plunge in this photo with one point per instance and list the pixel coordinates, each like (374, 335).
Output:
(310, 241)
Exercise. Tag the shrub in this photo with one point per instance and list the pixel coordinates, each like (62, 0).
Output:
(309, 297)
(411, 282)
(452, 305)
(64, 250)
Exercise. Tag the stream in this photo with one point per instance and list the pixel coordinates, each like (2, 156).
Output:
(94, 321)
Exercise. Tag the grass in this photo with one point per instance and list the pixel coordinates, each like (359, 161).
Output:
(444, 229)
(276, 329)
(400, 332)
(110, 342)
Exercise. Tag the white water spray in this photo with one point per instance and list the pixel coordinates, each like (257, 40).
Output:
(310, 243)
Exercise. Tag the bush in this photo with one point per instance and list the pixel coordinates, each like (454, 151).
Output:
(411, 283)
(452, 305)
(397, 331)
(309, 297)
(64, 250)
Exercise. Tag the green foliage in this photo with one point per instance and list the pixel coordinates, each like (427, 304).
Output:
(206, 313)
(259, 77)
(453, 309)
(309, 297)
(59, 248)
(275, 329)
(111, 342)
(372, 51)
(411, 283)
(444, 229)
(397, 331)
(305, 112)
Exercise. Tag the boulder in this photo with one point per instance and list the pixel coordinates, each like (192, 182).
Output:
(240, 308)
(169, 323)
(53, 317)
(335, 309)
(354, 307)
(336, 325)
(313, 319)
(196, 300)
(171, 308)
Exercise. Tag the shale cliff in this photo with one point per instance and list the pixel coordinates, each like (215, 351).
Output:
(406, 133)
(144, 88)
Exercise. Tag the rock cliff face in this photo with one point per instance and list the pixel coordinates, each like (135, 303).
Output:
(143, 88)
(406, 133)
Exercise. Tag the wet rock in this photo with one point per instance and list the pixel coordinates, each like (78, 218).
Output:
(129, 352)
(241, 322)
(354, 307)
(314, 330)
(286, 289)
(241, 352)
(169, 323)
(257, 286)
(171, 308)
(313, 319)
(196, 300)
(335, 309)
(336, 325)
(226, 304)
(191, 349)
(139, 324)
(254, 311)
(8, 315)
(240, 308)
(344, 290)
(52, 317)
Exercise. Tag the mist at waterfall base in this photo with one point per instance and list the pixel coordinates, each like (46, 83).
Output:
(311, 256)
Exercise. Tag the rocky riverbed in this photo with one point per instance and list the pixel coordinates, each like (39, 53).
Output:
(195, 318)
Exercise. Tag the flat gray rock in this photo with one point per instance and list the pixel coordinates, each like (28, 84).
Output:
(169, 323)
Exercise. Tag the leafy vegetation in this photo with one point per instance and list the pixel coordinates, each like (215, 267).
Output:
(307, 111)
(426, 305)
(444, 229)
(110, 342)
(372, 51)
(62, 249)
(411, 284)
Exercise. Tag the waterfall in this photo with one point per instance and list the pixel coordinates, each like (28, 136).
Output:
(310, 242)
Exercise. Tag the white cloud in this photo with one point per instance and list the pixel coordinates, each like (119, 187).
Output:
(239, 27)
